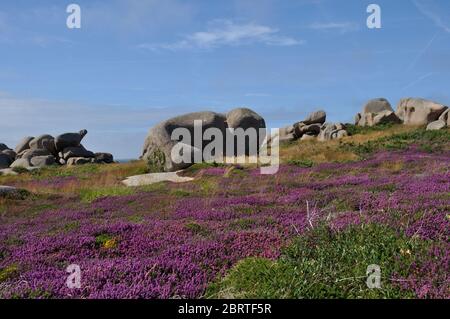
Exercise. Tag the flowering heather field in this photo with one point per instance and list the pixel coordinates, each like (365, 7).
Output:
(185, 240)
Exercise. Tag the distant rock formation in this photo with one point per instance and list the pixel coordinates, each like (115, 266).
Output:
(313, 128)
(410, 111)
(375, 112)
(414, 111)
(46, 150)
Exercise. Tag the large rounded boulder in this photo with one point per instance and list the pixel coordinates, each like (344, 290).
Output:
(24, 144)
(69, 140)
(245, 119)
(375, 112)
(5, 161)
(41, 142)
(157, 150)
(415, 111)
(76, 151)
(316, 117)
(377, 105)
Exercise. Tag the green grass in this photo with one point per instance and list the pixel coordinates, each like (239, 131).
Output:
(88, 195)
(430, 141)
(324, 264)
(197, 229)
(243, 223)
(180, 193)
(8, 272)
(301, 163)
(102, 239)
(355, 129)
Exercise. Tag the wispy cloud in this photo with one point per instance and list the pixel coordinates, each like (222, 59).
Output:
(431, 13)
(256, 94)
(45, 41)
(337, 26)
(227, 33)
(421, 53)
(416, 81)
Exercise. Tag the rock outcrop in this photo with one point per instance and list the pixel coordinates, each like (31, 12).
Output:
(5, 161)
(46, 150)
(306, 129)
(158, 146)
(69, 140)
(332, 131)
(317, 117)
(442, 122)
(313, 128)
(245, 118)
(436, 125)
(414, 111)
(7, 156)
(375, 112)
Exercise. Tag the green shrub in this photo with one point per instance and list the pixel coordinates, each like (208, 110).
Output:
(243, 223)
(156, 161)
(301, 163)
(8, 272)
(356, 129)
(102, 240)
(180, 193)
(88, 195)
(324, 264)
(430, 141)
(197, 229)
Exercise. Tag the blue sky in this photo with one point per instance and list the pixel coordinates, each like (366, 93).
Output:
(136, 62)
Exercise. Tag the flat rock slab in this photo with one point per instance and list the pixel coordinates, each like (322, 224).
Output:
(153, 178)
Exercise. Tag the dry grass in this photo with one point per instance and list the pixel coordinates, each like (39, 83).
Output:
(77, 180)
(92, 176)
(330, 151)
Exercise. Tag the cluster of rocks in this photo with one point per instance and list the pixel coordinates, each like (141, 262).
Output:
(313, 127)
(46, 150)
(159, 144)
(410, 111)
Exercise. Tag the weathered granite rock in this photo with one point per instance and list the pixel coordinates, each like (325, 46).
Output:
(414, 111)
(148, 179)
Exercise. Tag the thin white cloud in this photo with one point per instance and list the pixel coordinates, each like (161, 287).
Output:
(339, 26)
(416, 81)
(227, 33)
(257, 95)
(45, 41)
(431, 13)
(421, 53)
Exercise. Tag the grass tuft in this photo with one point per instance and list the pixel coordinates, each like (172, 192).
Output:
(325, 264)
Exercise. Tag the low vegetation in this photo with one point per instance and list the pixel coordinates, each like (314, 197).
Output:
(323, 263)
(380, 196)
